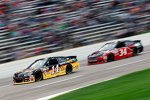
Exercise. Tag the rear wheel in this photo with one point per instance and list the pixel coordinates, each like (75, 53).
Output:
(110, 58)
(69, 69)
(38, 76)
(135, 51)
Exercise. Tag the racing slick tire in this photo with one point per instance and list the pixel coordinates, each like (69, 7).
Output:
(38, 76)
(69, 69)
(135, 52)
(110, 58)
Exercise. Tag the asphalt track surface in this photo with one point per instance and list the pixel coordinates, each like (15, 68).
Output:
(85, 76)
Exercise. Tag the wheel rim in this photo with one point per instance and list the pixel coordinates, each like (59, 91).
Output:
(135, 52)
(68, 70)
(38, 77)
(110, 58)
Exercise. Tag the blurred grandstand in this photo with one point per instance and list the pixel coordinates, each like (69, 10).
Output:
(34, 27)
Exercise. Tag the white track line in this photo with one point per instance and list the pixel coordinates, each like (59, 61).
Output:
(127, 64)
(1, 96)
(57, 82)
(124, 59)
(82, 75)
(5, 86)
(144, 52)
(83, 67)
(52, 96)
(55, 95)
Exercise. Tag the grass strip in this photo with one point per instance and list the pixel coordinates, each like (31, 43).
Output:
(134, 86)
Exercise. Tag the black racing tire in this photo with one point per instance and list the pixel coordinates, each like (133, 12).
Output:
(135, 51)
(69, 69)
(38, 76)
(110, 58)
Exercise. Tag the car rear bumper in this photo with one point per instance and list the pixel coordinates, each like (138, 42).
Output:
(141, 49)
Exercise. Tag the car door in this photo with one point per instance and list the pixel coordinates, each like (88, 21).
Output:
(130, 46)
(51, 68)
(62, 63)
(123, 51)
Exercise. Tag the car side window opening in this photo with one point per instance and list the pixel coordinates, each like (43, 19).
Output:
(62, 60)
(52, 61)
(128, 43)
(120, 45)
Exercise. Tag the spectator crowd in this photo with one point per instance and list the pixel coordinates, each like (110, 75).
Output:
(50, 21)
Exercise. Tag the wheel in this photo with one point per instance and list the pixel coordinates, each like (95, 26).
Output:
(69, 69)
(135, 51)
(38, 76)
(110, 58)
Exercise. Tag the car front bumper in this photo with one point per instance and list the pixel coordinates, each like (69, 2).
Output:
(98, 60)
(18, 81)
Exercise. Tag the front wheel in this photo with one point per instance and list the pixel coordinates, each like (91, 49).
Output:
(38, 76)
(110, 58)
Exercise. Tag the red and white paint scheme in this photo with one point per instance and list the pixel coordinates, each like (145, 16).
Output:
(115, 50)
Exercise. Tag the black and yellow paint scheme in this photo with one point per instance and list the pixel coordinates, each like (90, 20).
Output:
(47, 68)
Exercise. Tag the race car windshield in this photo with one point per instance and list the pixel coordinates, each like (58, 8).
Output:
(37, 64)
(108, 46)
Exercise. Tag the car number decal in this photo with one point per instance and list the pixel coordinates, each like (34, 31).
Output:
(122, 51)
(55, 69)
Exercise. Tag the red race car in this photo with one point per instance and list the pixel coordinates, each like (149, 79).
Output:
(115, 50)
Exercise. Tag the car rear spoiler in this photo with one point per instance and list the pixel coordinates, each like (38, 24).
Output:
(74, 58)
(137, 41)
(71, 57)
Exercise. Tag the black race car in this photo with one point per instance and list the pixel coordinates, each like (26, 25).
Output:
(47, 68)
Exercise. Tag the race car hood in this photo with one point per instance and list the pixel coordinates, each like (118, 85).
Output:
(24, 73)
(97, 53)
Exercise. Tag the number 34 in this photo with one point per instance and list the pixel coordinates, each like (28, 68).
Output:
(122, 52)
